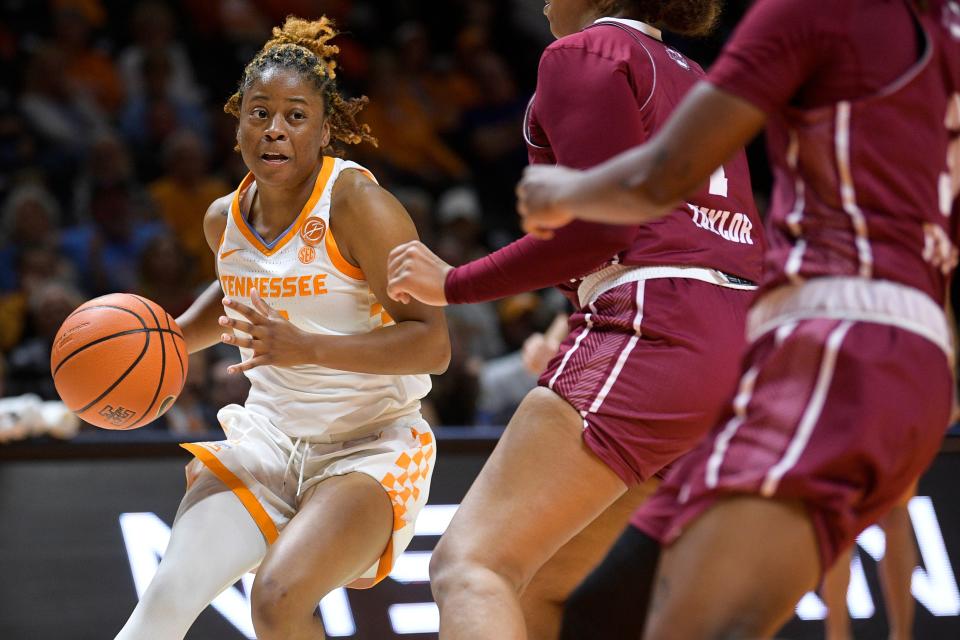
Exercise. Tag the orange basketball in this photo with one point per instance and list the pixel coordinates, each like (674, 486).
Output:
(119, 361)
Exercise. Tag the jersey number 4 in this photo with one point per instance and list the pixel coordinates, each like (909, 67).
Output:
(718, 182)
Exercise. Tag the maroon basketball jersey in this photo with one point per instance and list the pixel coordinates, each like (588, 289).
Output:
(865, 186)
(719, 227)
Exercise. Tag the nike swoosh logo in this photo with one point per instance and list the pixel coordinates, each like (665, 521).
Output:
(225, 254)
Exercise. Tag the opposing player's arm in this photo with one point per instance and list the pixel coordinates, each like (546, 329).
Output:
(645, 183)
(199, 322)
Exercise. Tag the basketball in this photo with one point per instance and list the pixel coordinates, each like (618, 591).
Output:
(119, 361)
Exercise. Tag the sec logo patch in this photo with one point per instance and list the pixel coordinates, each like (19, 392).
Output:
(307, 254)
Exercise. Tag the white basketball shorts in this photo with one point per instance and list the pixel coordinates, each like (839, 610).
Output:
(270, 472)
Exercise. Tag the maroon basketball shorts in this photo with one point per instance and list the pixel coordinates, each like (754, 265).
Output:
(649, 366)
(840, 414)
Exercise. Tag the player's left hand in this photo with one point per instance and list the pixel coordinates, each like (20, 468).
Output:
(413, 271)
(274, 339)
(542, 196)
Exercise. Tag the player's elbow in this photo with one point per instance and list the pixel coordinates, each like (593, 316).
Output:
(440, 355)
(661, 195)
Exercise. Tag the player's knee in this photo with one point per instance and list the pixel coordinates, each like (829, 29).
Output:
(453, 570)
(443, 570)
(274, 608)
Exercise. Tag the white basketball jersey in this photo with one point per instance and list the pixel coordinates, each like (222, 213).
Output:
(303, 275)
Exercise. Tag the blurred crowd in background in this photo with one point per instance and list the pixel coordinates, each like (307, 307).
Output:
(113, 142)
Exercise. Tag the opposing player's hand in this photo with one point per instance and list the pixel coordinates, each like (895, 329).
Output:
(413, 271)
(273, 339)
(542, 196)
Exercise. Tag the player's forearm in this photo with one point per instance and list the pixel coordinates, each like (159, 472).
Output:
(529, 263)
(410, 347)
(620, 192)
(199, 323)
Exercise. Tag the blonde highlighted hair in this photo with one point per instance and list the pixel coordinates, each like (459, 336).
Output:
(303, 46)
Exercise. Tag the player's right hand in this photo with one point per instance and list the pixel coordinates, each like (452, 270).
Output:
(415, 272)
(540, 199)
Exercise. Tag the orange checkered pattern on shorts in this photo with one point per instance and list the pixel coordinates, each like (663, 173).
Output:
(402, 484)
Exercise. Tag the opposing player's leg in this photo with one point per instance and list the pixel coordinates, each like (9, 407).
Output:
(213, 543)
(741, 566)
(543, 599)
(612, 601)
(896, 569)
(834, 594)
(342, 527)
(539, 488)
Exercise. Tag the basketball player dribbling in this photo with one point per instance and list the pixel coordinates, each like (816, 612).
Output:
(328, 462)
(846, 390)
(652, 348)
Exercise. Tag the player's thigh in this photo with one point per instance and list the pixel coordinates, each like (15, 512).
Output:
(573, 561)
(540, 486)
(741, 566)
(342, 527)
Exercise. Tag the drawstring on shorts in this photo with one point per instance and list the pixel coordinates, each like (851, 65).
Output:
(303, 462)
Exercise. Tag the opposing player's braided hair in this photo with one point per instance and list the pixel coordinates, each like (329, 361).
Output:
(302, 45)
(683, 17)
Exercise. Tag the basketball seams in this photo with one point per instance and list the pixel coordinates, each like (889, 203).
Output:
(143, 352)
(109, 337)
(133, 313)
(163, 363)
(183, 374)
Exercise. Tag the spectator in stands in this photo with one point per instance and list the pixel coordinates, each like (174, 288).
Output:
(165, 271)
(108, 164)
(182, 196)
(410, 146)
(18, 150)
(107, 249)
(149, 118)
(498, 153)
(454, 394)
(64, 119)
(419, 204)
(29, 362)
(441, 89)
(87, 66)
(459, 217)
(505, 380)
(153, 30)
(29, 218)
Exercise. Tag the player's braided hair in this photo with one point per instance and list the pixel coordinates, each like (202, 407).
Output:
(683, 17)
(302, 45)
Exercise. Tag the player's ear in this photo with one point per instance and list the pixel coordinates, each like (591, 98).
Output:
(325, 134)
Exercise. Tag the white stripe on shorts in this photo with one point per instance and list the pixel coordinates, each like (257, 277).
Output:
(812, 412)
(740, 403)
(618, 367)
(576, 345)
